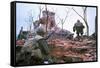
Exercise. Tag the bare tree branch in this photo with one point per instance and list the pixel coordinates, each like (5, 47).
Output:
(40, 9)
(66, 16)
(78, 13)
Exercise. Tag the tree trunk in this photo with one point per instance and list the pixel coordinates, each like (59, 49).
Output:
(85, 20)
(87, 29)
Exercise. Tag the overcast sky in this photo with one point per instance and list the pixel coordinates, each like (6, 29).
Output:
(25, 10)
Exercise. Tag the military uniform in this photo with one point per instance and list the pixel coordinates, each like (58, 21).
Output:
(78, 27)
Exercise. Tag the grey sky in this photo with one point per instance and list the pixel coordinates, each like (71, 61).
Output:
(24, 10)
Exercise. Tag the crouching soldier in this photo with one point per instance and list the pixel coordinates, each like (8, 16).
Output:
(35, 50)
(43, 46)
(78, 27)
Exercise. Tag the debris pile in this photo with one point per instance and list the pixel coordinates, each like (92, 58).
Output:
(62, 50)
(73, 51)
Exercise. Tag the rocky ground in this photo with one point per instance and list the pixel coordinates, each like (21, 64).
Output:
(62, 50)
(73, 50)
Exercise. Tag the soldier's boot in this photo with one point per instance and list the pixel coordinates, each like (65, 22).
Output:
(48, 59)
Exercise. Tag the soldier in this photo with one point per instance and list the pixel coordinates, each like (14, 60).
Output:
(78, 27)
(21, 35)
(35, 50)
(43, 45)
(36, 24)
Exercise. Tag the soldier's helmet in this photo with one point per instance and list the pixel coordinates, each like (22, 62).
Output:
(78, 23)
(40, 31)
(78, 20)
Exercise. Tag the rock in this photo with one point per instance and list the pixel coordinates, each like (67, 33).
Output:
(72, 59)
(87, 54)
(89, 42)
(20, 42)
(67, 59)
(79, 50)
(37, 53)
(77, 59)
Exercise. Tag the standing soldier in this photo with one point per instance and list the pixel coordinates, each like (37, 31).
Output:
(78, 27)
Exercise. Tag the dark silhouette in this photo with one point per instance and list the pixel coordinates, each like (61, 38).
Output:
(78, 27)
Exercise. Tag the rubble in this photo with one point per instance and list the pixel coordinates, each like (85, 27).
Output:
(61, 51)
(20, 42)
(73, 51)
